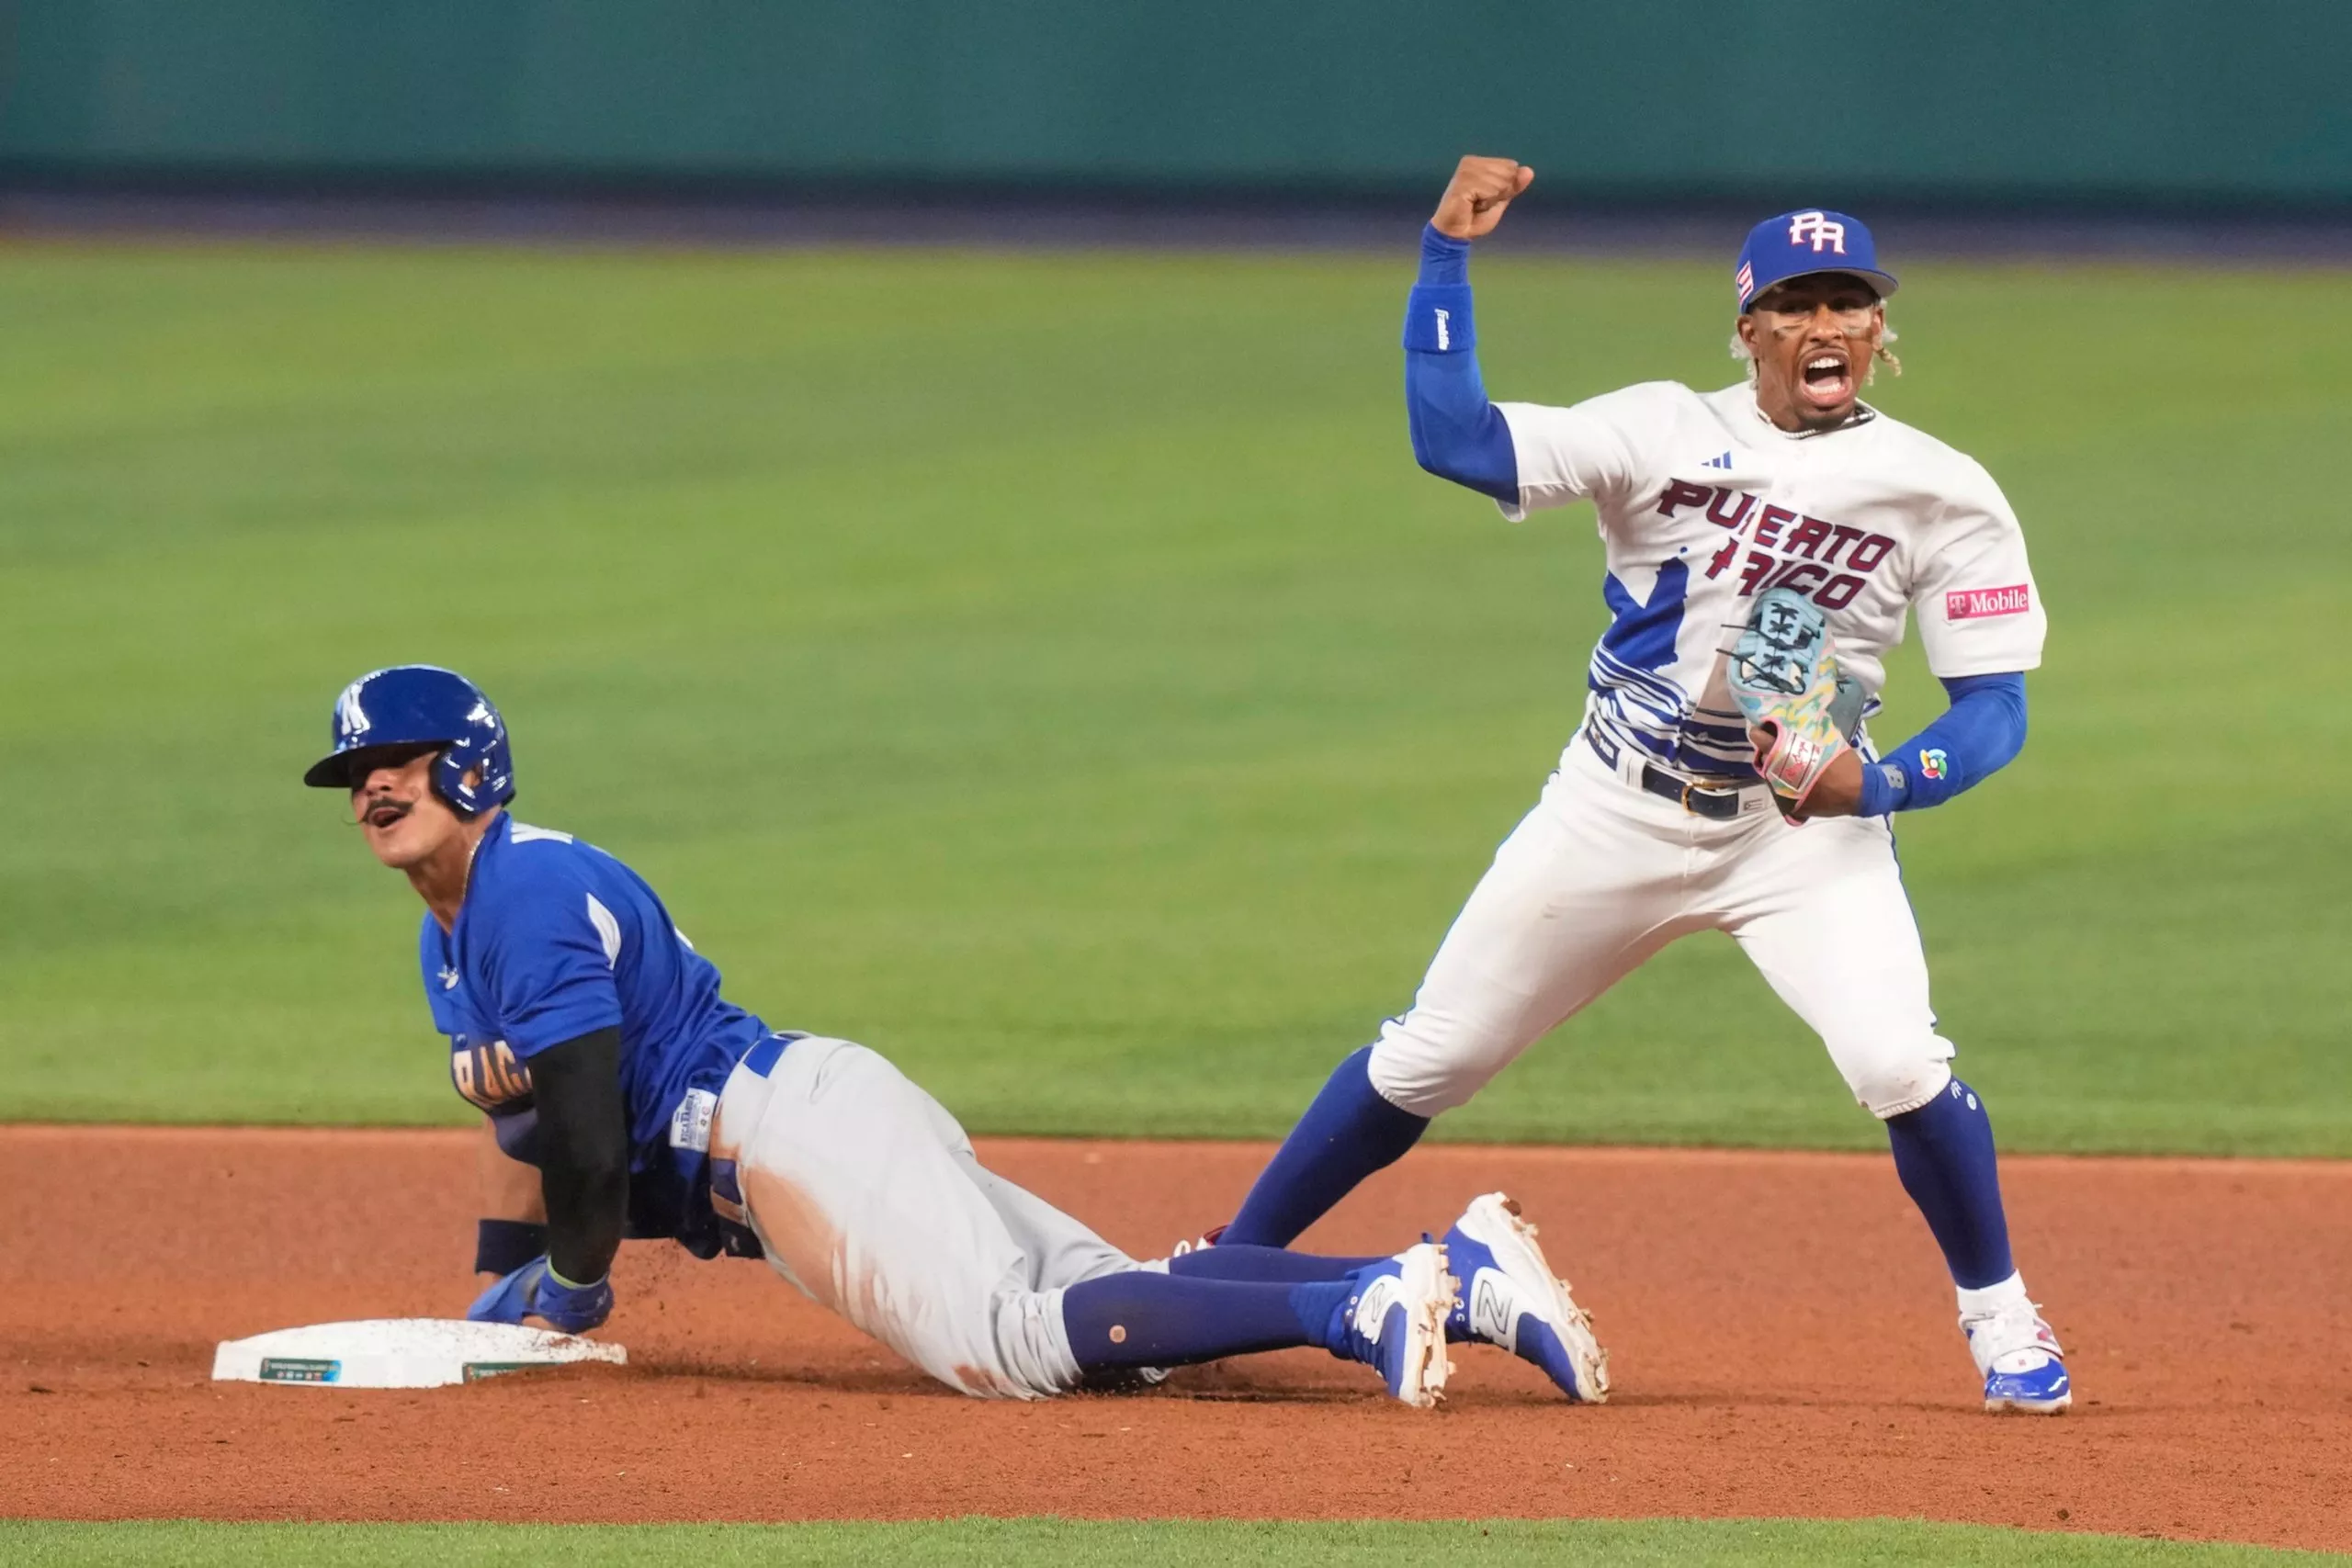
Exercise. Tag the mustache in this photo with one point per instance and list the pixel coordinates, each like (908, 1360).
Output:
(378, 801)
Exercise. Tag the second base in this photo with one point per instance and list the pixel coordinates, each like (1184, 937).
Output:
(400, 1352)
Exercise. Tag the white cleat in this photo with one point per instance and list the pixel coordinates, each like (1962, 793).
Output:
(2021, 1360)
(1511, 1298)
(1394, 1320)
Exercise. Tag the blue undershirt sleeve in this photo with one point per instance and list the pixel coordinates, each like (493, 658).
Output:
(1980, 734)
(1457, 434)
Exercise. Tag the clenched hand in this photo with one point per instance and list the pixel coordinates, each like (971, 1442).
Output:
(1475, 198)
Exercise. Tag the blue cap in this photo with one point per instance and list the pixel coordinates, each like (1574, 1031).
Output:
(1797, 244)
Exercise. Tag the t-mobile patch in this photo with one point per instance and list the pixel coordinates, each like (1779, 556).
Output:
(1970, 604)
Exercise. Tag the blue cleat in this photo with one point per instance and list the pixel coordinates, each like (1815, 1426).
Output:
(1511, 1298)
(1394, 1320)
(2023, 1367)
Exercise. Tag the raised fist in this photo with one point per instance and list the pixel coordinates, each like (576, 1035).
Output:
(1475, 198)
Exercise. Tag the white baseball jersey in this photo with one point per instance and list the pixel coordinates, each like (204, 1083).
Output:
(1703, 502)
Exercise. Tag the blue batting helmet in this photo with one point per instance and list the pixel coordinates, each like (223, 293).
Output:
(414, 706)
(1797, 244)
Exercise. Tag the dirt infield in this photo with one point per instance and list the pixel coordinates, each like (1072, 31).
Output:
(1781, 1328)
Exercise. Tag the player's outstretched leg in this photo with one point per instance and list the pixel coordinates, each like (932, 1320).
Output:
(1390, 1315)
(1347, 1133)
(1263, 1265)
(1943, 1152)
(1511, 1298)
(1508, 1297)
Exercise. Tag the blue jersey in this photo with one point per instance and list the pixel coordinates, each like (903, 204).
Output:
(555, 940)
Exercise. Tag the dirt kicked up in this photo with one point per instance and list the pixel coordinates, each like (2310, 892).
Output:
(1780, 1327)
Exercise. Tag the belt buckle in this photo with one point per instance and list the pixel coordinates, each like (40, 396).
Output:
(1688, 785)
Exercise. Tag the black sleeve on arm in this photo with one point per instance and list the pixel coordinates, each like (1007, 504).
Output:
(583, 1151)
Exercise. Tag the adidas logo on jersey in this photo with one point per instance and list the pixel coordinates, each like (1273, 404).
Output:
(1722, 462)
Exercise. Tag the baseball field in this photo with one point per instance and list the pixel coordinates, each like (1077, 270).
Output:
(1051, 670)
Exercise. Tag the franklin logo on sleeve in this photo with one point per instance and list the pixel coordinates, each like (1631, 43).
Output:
(1973, 603)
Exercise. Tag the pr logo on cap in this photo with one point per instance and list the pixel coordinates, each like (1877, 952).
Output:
(1820, 227)
(1809, 239)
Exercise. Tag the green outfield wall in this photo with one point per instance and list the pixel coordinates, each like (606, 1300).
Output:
(2131, 101)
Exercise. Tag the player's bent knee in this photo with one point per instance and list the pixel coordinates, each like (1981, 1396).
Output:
(1034, 1359)
(1893, 1070)
(1893, 1088)
(1425, 1072)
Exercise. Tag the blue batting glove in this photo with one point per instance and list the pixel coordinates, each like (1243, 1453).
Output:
(536, 1290)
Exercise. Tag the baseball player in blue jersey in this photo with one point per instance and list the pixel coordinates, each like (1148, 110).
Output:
(1764, 546)
(628, 1098)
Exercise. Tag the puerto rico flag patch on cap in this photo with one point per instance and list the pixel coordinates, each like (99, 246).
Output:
(1974, 603)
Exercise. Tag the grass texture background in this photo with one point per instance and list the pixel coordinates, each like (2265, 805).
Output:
(1052, 671)
(1049, 1543)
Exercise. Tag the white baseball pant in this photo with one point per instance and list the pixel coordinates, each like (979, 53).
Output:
(1601, 873)
(864, 1193)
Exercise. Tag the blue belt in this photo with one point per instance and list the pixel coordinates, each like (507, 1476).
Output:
(761, 1058)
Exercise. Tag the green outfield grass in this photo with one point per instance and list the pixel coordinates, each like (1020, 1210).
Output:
(1049, 1543)
(1052, 671)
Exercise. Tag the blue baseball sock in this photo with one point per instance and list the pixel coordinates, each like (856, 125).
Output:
(1943, 1152)
(1347, 1133)
(1147, 1319)
(1264, 1265)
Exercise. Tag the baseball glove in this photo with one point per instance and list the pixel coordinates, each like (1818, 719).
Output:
(1800, 709)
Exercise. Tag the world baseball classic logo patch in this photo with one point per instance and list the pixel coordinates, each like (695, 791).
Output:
(1973, 603)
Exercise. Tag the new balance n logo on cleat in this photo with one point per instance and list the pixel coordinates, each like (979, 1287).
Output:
(1494, 1313)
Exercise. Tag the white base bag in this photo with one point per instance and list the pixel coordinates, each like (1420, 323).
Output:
(401, 1352)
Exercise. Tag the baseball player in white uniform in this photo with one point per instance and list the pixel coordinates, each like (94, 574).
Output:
(1777, 528)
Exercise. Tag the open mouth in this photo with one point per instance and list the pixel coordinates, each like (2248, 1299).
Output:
(1827, 379)
(382, 814)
